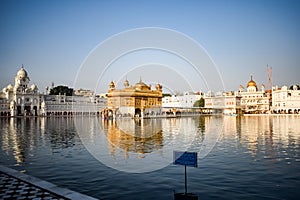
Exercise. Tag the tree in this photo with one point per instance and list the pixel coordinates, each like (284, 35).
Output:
(166, 95)
(199, 103)
(61, 90)
(292, 87)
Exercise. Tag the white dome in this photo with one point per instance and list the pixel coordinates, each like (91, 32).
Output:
(10, 87)
(34, 87)
(22, 73)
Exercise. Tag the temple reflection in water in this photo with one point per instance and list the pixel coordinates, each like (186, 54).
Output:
(270, 135)
(257, 149)
(138, 136)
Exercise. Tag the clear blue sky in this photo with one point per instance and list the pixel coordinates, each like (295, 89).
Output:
(52, 38)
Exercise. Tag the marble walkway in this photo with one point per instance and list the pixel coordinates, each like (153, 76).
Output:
(16, 185)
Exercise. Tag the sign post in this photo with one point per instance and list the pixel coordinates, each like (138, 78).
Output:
(186, 159)
(185, 180)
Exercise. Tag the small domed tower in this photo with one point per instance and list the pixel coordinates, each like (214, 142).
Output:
(126, 83)
(158, 87)
(241, 89)
(263, 87)
(34, 88)
(112, 85)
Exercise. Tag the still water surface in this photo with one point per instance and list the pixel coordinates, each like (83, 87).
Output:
(255, 157)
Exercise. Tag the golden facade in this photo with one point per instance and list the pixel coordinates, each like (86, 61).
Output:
(138, 100)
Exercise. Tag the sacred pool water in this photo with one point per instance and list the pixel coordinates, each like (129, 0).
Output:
(248, 157)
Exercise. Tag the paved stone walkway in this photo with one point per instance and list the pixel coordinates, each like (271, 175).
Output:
(16, 185)
(12, 188)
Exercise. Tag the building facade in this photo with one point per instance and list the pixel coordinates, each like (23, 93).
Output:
(57, 105)
(138, 100)
(254, 101)
(228, 103)
(187, 100)
(21, 99)
(286, 101)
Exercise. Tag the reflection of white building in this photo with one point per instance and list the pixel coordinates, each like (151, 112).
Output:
(225, 103)
(183, 101)
(22, 100)
(286, 100)
(254, 100)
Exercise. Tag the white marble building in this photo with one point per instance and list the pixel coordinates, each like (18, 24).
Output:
(186, 100)
(56, 105)
(228, 103)
(285, 100)
(254, 101)
(21, 99)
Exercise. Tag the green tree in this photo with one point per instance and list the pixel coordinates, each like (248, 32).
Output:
(199, 103)
(61, 90)
(292, 87)
(166, 95)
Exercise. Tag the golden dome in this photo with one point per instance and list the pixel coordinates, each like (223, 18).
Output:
(112, 85)
(142, 86)
(158, 86)
(251, 83)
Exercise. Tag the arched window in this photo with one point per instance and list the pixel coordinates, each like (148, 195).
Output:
(19, 101)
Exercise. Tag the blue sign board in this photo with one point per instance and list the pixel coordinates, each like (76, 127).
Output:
(185, 158)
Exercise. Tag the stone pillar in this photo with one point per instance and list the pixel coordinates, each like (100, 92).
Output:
(43, 110)
(31, 109)
(13, 111)
(114, 114)
(142, 112)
